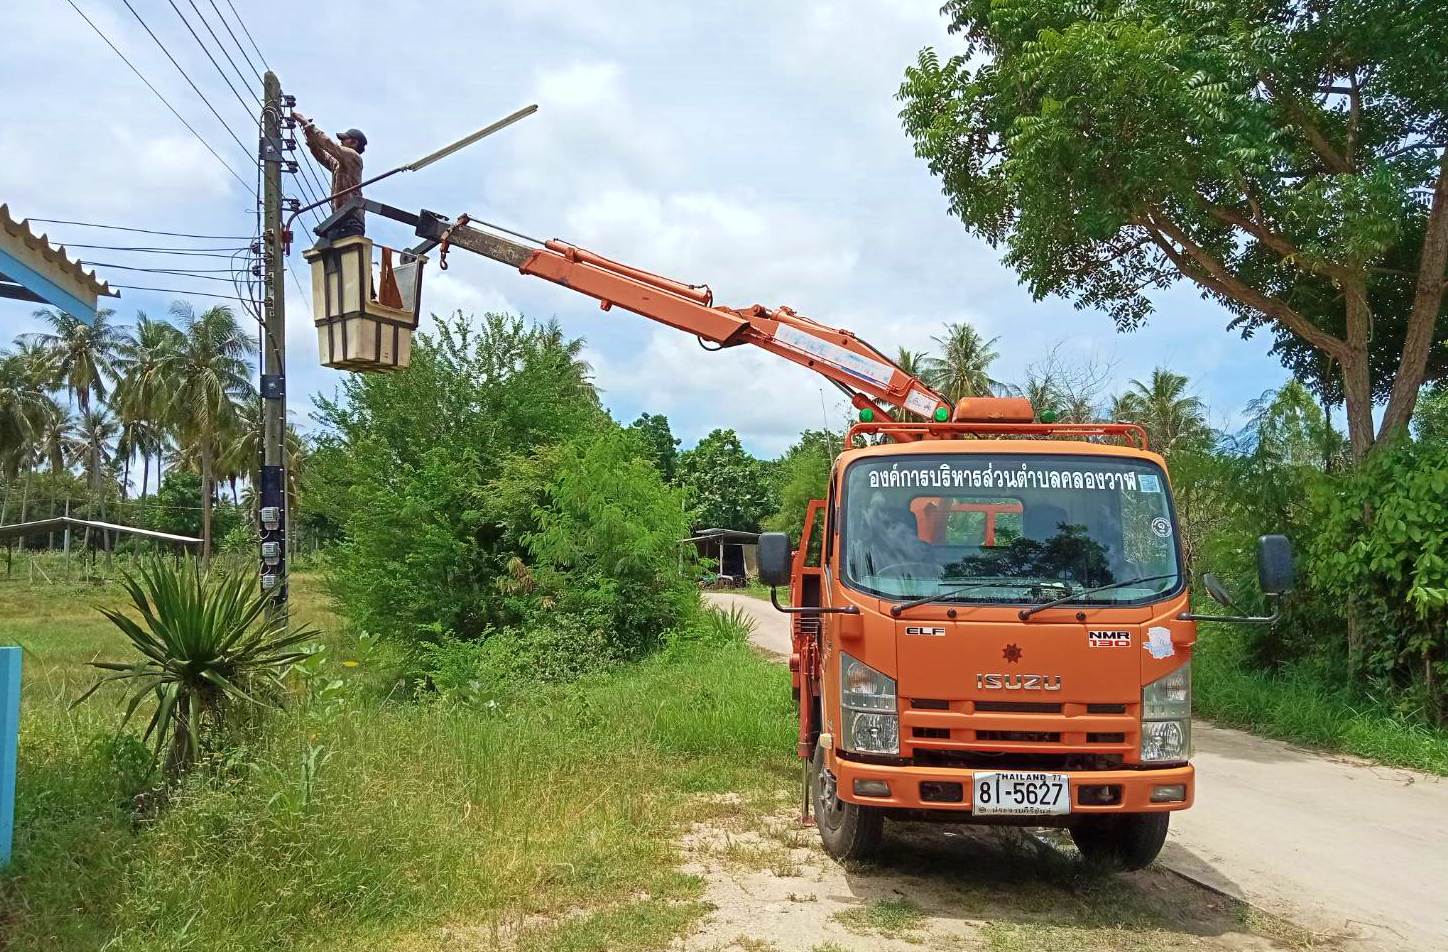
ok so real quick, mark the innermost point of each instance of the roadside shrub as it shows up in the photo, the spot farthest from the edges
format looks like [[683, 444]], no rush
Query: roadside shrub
[[1382, 552], [607, 548], [407, 466], [205, 644], [712, 628]]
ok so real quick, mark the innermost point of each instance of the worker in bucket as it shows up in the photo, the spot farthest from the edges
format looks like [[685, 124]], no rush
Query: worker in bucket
[[344, 157]]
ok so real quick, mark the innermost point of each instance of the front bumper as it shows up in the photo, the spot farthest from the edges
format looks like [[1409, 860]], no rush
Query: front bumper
[[1135, 786]]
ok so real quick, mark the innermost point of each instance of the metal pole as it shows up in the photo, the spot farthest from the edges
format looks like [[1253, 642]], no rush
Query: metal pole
[[273, 489]]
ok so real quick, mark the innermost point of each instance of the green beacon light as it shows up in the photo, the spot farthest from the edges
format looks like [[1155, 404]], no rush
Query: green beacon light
[[941, 414], [1049, 416], [866, 415]]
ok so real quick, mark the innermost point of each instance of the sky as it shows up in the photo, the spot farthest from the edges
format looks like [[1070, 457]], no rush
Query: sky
[[753, 146]]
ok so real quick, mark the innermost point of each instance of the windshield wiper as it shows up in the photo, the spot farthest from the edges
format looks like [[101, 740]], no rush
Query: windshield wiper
[[1073, 596], [895, 610]]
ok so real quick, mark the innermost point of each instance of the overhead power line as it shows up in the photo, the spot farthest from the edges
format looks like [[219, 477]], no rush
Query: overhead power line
[[164, 101], [245, 80], [187, 76], [199, 252], [133, 287], [178, 272], [139, 231], [229, 32], [242, 23], [245, 106]]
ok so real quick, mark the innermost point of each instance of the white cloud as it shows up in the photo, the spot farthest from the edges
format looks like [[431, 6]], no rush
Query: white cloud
[[754, 146]]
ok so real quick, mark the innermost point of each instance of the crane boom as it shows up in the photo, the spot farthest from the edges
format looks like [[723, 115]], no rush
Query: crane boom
[[852, 364]]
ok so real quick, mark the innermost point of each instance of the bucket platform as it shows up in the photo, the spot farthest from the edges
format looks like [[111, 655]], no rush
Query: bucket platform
[[361, 326]]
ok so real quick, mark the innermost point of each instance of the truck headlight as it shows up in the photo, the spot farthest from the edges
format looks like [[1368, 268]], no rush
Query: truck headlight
[[1166, 717], [1166, 741], [870, 732], [869, 709]]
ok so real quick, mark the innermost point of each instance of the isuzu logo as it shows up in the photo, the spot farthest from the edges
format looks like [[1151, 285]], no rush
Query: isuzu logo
[[1018, 682]]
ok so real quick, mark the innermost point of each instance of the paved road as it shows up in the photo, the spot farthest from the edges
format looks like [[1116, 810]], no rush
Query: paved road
[[1340, 846]]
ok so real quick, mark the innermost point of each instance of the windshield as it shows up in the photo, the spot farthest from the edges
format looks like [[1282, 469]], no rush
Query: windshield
[[1008, 528]]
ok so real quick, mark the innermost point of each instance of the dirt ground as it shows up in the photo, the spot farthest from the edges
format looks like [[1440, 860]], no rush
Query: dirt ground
[[1343, 847], [771, 888]]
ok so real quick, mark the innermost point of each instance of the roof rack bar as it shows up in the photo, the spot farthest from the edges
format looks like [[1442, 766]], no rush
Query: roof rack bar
[[1133, 432]]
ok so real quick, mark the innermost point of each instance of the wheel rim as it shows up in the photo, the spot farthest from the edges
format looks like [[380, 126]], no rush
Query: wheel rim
[[829, 809]]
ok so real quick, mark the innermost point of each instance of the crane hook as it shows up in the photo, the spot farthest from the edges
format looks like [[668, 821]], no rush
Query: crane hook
[[446, 239]]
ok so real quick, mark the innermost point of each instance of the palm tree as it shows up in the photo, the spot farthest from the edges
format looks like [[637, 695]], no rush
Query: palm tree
[[1043, 392], [211, 377], [91, 441], [911, 361], [80, 353], [962, 368], [23, 406], [143, 391], [1174, 419]]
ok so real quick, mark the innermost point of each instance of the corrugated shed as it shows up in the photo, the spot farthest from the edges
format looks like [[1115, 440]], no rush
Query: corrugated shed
[[37, 252]]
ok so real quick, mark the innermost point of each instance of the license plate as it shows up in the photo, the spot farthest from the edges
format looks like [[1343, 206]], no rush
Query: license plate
[[1020, 793]]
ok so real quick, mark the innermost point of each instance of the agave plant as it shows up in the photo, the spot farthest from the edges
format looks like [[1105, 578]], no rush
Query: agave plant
[[206, 643]]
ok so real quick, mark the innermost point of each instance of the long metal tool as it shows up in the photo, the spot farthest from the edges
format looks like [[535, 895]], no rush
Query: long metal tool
[[426, 160]]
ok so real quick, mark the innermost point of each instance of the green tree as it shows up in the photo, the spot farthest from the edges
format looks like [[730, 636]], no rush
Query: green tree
[[23, 408], [1175, 420], [211, 376], [434, 476], [1287, 157], [911, 361], [606, 546], [1290, 430], [1431, 421], [725, 486], [962, 368], [803, 473], [80, 354], [663, 447], [143, 390]]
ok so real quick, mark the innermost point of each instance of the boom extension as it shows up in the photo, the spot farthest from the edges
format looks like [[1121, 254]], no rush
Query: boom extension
[[849, 362]]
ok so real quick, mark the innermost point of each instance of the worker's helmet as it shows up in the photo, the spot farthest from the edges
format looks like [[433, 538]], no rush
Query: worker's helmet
[[357, 135]]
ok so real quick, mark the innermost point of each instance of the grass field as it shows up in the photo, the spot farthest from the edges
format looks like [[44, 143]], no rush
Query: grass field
[[365, 819], [1296, 707]]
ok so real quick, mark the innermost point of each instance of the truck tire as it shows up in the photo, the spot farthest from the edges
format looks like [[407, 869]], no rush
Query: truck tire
[[1121, 841], [847, 830]]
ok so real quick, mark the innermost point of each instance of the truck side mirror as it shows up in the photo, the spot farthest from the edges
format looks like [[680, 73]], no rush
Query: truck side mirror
[[774, 559], [1276, 572], [1217, 590]]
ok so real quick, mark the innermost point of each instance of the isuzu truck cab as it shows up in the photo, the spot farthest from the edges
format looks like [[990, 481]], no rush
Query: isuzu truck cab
[[992, 624]]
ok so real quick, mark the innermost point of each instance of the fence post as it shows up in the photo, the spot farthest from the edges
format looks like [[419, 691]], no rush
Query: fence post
[[9, 744]]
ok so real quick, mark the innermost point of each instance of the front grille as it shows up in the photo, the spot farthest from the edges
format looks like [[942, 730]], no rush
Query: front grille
[[1017, 707], [1020, 737], [932, 733], [929, 704], [1105, 708], [1098, 737]]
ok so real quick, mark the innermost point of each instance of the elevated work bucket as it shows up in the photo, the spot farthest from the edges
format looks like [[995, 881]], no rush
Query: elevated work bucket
[[362, 326]]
